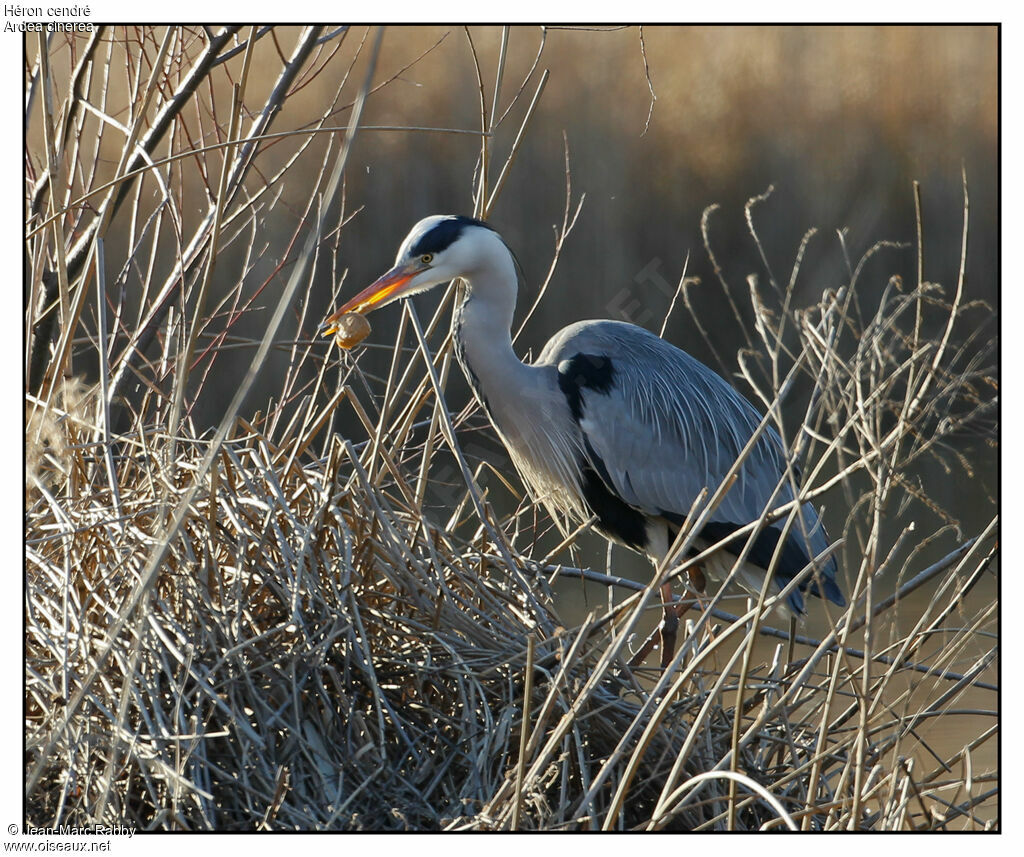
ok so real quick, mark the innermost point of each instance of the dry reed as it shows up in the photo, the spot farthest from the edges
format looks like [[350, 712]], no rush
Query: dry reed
[[269, 627]]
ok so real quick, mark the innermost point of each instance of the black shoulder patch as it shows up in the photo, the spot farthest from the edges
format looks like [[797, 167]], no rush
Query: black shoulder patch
[[444, 234], [584, 372]]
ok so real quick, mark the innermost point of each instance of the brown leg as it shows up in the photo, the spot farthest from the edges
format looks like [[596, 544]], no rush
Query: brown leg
[[669, 625], [697, 579], [666, 631], [643, 651]]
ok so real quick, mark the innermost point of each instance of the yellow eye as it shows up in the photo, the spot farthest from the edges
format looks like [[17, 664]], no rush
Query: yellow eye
[[427, 258]]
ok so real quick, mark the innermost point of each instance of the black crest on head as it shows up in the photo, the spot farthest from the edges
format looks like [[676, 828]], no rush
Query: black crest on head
[[444, 234]]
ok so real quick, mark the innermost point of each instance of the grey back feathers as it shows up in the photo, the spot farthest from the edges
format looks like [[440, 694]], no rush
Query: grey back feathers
[[665, 424], [659, 427]]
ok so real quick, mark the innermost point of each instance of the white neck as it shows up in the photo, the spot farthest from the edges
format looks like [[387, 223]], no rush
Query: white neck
[[523, 402], [482, 326]]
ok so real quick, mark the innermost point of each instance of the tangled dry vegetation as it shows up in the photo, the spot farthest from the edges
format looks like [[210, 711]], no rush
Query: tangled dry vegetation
[[266, 626]]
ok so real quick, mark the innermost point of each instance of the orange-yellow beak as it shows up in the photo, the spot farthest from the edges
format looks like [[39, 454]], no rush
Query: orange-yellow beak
[[381, 291]]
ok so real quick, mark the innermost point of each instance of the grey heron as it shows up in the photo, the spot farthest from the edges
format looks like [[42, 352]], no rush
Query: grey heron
[[611, 422]]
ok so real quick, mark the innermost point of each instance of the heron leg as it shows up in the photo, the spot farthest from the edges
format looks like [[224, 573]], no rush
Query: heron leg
[[669, 624], [643, 651], [666, 632], [697, 579]]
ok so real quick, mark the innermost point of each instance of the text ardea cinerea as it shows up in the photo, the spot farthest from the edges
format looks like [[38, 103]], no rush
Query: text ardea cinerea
[[611, 421]]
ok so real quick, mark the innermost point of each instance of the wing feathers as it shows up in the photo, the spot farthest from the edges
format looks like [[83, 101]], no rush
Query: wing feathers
[[659, 427]]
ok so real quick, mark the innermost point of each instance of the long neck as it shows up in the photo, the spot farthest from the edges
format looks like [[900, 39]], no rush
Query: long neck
[[482, 326]]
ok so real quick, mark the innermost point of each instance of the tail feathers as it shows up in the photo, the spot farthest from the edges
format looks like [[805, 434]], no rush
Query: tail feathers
[[793, 559], [824, 580], [795, 602], [832, 591]]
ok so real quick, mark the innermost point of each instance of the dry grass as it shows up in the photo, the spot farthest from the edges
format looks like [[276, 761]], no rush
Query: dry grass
[[267, 627]]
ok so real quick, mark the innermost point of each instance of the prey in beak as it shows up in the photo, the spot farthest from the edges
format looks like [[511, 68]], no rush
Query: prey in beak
[[380, 293]]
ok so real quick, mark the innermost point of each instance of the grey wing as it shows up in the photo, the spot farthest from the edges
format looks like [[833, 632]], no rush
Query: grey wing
[[659, 427]]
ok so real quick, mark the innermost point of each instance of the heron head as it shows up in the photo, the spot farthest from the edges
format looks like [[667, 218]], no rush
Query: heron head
[[438, 249]]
